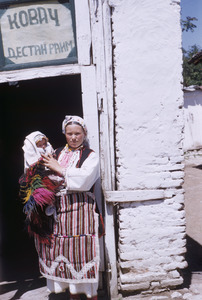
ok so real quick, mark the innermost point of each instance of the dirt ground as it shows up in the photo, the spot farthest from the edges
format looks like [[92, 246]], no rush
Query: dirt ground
[[35, 288], [193, 197]]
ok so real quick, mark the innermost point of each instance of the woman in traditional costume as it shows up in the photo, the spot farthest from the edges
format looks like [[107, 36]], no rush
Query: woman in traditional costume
[[71, 260]]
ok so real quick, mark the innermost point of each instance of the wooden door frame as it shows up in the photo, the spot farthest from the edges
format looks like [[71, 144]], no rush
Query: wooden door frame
[[98, 40], [100, 15]]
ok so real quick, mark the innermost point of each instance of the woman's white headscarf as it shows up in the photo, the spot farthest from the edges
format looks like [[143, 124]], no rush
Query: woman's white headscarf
[[31, 152], [77, 120], [74, 119]]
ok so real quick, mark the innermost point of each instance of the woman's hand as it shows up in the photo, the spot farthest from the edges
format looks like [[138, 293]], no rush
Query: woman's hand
[[50, 162]]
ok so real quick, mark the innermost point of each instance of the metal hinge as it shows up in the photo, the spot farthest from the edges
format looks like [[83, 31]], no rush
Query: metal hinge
[[109, 270], [100, 104]]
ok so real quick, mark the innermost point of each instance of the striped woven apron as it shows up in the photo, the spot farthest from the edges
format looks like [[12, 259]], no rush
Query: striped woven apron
[[73, 255]]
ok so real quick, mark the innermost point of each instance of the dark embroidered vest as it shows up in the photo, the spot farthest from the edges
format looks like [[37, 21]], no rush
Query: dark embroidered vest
[[84, 153]]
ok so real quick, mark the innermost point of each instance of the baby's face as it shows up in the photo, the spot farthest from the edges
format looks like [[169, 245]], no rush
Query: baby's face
[[42, 144]]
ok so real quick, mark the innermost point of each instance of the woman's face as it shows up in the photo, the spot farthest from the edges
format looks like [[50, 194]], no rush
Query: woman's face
[[74, 135]]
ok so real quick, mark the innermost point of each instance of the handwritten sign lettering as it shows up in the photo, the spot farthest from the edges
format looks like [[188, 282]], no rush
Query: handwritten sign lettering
[[33, 16], [36, 50], [38, 32]]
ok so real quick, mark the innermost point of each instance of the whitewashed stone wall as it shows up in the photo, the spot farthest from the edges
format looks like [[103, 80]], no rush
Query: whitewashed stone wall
[[193, 120], [149, 155]]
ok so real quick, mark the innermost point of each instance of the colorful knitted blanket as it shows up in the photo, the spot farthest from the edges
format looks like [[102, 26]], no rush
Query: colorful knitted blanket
[[37, 192]]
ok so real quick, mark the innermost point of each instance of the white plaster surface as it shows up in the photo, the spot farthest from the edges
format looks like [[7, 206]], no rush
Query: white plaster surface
[[193, 120], [147, 56], [149, 155]]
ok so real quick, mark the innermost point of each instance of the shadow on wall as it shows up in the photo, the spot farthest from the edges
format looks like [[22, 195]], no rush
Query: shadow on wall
[[192, 120], [194, 259], [192, 98]]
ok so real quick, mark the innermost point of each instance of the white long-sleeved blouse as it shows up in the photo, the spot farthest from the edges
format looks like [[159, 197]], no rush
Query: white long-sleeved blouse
[[83, 178]]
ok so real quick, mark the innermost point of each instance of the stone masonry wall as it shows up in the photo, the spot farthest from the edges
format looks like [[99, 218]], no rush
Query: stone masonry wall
[[151, 244], [149, 136]]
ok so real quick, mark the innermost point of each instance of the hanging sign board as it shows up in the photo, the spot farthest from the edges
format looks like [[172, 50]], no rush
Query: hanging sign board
[[37, 34]]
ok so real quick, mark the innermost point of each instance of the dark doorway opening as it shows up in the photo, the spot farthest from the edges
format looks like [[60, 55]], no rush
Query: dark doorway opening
[[26, 106]]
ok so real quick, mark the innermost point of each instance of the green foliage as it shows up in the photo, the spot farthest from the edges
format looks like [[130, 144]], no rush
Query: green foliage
[[187, 24], [192, 74]]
